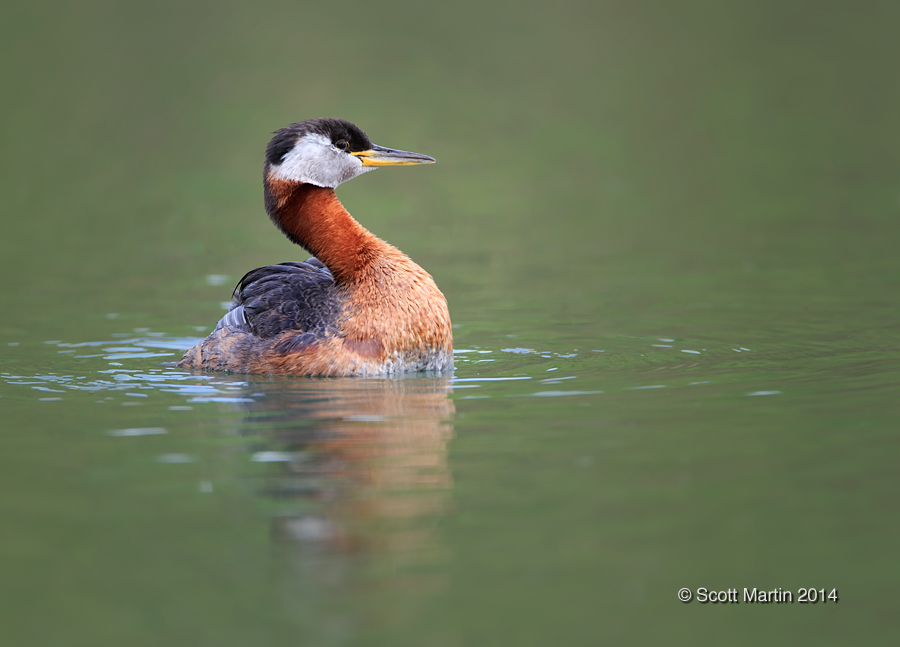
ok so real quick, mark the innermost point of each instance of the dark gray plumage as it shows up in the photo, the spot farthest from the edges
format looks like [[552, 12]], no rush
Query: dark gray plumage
[[290, 296]]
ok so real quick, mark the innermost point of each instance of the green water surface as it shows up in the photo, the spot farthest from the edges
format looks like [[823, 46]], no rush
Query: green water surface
[[668, 235]]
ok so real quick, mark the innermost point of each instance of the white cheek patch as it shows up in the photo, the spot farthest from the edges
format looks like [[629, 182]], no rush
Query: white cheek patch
[[313, 160]]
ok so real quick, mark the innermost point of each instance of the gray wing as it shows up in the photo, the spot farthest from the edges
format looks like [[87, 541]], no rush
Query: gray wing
[[299, 297]]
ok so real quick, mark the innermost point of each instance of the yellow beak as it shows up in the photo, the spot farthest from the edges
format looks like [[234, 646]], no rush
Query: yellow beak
[[380, 156]]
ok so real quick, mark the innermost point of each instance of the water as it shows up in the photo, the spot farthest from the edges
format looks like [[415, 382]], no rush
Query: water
[[668, 240]]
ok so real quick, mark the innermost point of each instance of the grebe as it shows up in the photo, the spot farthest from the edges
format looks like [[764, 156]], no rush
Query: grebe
[[359, 307]]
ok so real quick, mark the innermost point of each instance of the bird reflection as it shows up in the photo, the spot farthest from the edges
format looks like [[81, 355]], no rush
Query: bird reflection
[[359, 464]]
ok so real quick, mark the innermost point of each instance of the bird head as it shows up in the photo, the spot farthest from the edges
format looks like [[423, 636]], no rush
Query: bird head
[[327, 152]]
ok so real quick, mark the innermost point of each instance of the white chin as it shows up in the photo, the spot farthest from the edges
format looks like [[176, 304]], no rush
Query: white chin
[[313, 160]]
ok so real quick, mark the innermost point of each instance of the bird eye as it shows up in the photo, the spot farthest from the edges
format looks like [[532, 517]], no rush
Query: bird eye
[[342, 144]]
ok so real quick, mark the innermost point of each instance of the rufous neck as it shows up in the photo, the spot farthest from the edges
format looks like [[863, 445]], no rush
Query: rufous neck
[[314, 218]]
